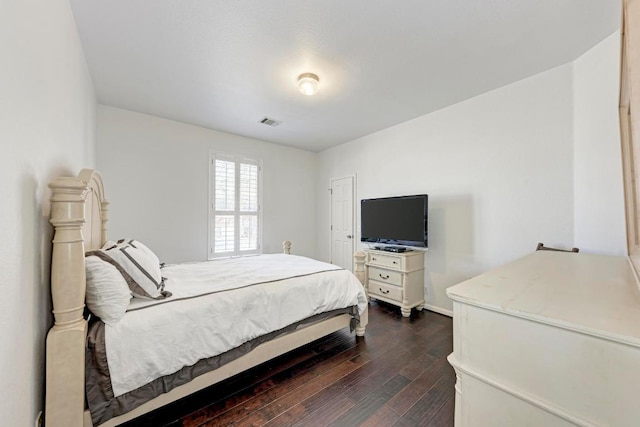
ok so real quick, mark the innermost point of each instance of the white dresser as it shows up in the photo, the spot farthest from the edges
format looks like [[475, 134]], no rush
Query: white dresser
[[552, 339], [396, 278]]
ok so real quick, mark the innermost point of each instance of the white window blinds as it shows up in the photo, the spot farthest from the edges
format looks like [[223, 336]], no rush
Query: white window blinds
[[235, 211]]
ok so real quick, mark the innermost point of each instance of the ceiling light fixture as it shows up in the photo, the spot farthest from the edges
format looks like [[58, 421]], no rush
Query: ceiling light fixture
[[308, 83]]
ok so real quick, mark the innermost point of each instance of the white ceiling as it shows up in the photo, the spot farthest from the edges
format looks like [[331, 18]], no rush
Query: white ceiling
[[226, 64]]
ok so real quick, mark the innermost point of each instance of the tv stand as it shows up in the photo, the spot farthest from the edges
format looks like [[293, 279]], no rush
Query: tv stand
[[396, 278]]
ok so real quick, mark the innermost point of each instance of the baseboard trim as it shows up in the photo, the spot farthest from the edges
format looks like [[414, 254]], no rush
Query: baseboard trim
[[439, 310]]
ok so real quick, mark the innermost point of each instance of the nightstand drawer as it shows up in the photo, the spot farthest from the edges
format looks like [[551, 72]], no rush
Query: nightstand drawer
[[385, 290], [386, 276], [384, 260]]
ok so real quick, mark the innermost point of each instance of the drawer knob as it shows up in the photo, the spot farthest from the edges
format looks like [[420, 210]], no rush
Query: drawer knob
[[373, 258], [395, 262], [383, 291], [383, 277]]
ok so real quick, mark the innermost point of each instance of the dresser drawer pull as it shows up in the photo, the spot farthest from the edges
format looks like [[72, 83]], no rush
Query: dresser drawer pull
[[395, 262], [383, 277], [383, 291], [373, 258]]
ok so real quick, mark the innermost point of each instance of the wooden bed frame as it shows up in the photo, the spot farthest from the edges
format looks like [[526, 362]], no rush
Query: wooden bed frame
[[79, 214]]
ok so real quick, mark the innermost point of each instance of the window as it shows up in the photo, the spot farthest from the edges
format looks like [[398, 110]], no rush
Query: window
[[235, 217]]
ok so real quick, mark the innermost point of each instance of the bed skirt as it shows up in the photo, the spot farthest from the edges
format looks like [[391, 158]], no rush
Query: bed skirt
[[104, 405]]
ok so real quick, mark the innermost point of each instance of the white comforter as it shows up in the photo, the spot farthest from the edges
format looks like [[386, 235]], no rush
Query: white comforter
[[246, 298]]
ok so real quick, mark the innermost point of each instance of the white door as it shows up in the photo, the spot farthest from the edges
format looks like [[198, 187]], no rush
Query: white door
[[342, 222]]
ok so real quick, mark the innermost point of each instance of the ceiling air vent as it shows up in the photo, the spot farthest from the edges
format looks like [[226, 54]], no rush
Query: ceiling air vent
[[270, 122]]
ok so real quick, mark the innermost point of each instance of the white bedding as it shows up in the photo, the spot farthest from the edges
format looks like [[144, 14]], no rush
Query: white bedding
[[157, 338]]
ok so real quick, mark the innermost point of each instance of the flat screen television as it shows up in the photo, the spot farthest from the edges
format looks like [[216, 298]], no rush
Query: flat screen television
[[395, 220]]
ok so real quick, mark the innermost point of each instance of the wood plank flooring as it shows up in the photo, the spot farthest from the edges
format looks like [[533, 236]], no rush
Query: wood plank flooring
[[397, 375]]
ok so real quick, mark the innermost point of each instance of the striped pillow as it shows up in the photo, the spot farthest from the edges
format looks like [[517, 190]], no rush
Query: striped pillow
[[138, 265], [143, 248]]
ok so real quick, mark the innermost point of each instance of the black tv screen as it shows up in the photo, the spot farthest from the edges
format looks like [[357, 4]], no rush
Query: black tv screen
[[395, 220]]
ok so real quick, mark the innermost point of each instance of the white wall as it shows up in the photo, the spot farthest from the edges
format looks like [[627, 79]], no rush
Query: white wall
[[598, 193], [47, 115], [156, 178], [498, 169], [535, 161]]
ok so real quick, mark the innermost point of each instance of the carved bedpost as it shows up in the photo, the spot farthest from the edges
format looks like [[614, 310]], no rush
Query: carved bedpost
[[358, 261], [66, 340], [286, 247]]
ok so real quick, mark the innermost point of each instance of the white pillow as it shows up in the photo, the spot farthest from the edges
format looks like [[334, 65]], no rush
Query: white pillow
[[141, 265], [108, 295]]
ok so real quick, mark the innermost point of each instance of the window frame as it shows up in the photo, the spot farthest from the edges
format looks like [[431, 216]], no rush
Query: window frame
[[237, 160]]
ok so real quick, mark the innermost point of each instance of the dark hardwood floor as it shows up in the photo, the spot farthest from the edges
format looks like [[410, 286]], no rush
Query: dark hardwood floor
[[397, 375]]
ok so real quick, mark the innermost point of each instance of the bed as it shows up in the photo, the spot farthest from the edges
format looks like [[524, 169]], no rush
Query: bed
[[79, 214]]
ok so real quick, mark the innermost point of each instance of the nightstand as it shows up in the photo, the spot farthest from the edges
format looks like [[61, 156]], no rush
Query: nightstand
[[396, 278]]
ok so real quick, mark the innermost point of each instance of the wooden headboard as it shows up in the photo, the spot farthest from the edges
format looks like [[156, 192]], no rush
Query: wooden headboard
[[79, 215], [96, 213]]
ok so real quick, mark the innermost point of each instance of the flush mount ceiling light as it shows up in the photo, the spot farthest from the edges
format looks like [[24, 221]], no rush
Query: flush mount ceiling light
[[308, 83]]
